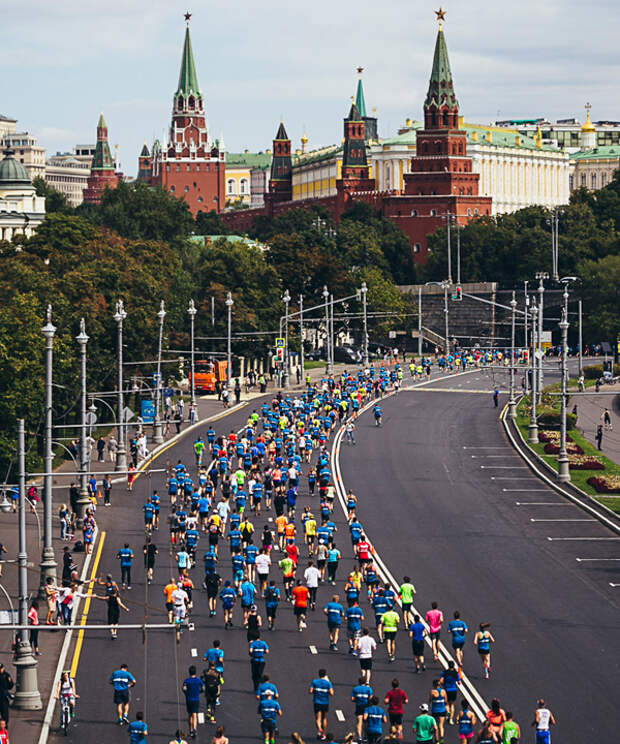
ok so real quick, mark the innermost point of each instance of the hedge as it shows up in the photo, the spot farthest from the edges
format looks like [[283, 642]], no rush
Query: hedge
[[551, 419]]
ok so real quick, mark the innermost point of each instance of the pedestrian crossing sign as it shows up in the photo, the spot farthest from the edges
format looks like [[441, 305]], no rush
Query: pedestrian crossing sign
[[279, 343]]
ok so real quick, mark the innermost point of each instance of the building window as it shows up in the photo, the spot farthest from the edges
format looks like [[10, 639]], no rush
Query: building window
[[416, 249], [434, 214], [231, 186], [178, 168], [469, 215], [200, 199], [197, 167], [168, 168], [571, 183], [593, 180], [186, 189], [172, 189], [603, 179], [191, 102], [583, 180], [243, 186], [188, 167], [476, 213], [414, 212]]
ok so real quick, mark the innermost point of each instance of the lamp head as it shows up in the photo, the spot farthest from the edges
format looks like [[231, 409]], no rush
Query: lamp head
[[192, 308]]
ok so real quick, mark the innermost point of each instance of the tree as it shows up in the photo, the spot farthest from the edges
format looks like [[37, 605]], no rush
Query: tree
[[210, 223], [55, 201], [601, 294]]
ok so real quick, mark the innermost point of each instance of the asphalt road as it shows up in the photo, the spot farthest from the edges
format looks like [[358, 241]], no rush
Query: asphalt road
[[446, 500]]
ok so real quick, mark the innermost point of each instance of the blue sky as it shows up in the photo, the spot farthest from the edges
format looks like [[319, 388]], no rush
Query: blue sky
[[63, 62]]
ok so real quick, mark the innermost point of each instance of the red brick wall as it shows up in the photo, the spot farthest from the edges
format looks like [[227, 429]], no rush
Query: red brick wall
[[202, 186]]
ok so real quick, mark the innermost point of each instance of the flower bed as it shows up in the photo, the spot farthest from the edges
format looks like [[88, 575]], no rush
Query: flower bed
[[553, 448], [551, 436], [605, 483], [584, 462]]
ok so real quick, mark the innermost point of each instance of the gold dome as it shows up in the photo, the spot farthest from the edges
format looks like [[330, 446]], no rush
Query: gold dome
[[587, 125]]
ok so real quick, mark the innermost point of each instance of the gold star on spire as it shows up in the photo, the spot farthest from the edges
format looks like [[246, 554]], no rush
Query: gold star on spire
[[360, 70], [188, 15], [441, 14]]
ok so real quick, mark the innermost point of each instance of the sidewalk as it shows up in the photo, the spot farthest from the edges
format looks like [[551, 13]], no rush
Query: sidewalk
[[589, 411]]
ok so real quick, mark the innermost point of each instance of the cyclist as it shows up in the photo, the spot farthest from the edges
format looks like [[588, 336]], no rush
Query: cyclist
[[66, 693]]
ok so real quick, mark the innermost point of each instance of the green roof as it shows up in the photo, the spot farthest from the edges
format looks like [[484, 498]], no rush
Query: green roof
[[12, 172], [248, 159], [598, 153], [328, 153], [440, 86], [359, 98], [502, 138], [406, 138], [188, 80]]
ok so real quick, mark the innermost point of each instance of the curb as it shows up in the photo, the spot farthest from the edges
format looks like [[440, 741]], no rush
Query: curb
[[527, 453]]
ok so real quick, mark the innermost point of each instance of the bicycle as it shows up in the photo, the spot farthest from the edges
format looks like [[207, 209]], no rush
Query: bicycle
[[65, 713]]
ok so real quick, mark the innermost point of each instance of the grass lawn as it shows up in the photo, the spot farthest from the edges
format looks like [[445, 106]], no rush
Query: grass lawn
[[578, 477], [313, 365]]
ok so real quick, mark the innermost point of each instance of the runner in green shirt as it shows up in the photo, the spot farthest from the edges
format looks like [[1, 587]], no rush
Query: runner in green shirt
[[512, 731], [199, 446], [406, 594], [424, 726], [288, 574], [390, 622]]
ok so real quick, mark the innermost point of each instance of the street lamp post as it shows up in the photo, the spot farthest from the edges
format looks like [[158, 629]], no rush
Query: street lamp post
[[192, 314], [541, 276], [301, 336], [83, 500], [448, 219], [286, 299], [158, 433], [331, 329], [121, 452], [532, 437], [328, 367], [445, 311], [420, 340], [512, 404], [364, 292], [48, 562], [458, 254], [525, 325], [229, 303], [580, 340], [27, 695], [563, 464]]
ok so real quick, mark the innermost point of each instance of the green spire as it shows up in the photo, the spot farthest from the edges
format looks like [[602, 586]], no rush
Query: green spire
[[441, 87], [188, 80], [102, 159], [101, 124], [359, 96]]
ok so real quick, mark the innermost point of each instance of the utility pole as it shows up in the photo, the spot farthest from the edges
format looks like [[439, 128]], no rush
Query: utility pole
[[448, 220], [525, 344], [27, 695], [458, 254], [580, 341], [213, 312], [301, 337], [121, 452], [286, 299], [445, 310], [328, 367], [533, 425], [420, 340], [192, 314], [83, 500], [563, 463], [229, 303], [512, 404], [331, 329], [364, 291], [48, 562], [158, 434], [541, 276]]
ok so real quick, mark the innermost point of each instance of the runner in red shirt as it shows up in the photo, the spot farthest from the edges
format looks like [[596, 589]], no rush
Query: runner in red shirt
[[292, 551], [364, 551], [395, 699], [300, 604]]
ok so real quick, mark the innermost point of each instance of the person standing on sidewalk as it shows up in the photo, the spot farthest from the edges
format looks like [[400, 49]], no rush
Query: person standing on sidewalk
[[599, 437], [100, 449], [6, 685], [112, 447]]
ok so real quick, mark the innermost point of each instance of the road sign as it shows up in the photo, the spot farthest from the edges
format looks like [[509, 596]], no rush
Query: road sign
[[91, 418], [280, 343], [147, 411], [539, 354], [127, 415]]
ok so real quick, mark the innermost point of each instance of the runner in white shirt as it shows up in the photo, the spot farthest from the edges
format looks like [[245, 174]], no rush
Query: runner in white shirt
[[543, 720], [312, 576], [365, 646], [223, 510], [180, 601], [263, 561]]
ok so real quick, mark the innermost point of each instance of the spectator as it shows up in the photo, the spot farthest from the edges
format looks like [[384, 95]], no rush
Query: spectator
[[100, 449], [33, 620], [6, 685]]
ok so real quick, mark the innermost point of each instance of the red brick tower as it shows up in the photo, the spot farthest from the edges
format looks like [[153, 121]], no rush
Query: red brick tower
[[355, 174], [102, 173], [441, 182], [190, 165], [280, 181]]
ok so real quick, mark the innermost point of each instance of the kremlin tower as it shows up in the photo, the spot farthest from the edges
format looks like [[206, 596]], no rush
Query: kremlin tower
[[280, 181], [355, 169], [102, 171], [190, 165]]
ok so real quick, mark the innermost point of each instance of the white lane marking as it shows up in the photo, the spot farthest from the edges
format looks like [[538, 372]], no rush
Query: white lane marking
[[581, 560], [201, 717], [553, 539], [194, 652], [484, 447], [476, 701], [529, 490], [313, 650], [497, 457], [540, 503], [503, 467], [613, 585], [507, 477], [562, 520], [340, 715]]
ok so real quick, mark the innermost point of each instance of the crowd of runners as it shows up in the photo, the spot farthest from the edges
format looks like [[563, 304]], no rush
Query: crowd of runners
[[259, 503]]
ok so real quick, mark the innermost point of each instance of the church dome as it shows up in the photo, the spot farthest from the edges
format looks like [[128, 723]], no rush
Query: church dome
[[587, 125], [13, 173]]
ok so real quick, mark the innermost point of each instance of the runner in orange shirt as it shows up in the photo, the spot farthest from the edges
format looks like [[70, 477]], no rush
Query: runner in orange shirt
[[168, 589], [300, 604], [281, 523]]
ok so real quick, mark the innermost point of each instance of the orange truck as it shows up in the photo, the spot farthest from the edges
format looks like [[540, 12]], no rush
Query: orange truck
[[207, 374]]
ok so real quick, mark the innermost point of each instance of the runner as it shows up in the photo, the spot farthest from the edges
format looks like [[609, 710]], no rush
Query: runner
[[366, 644], [466, 721], [321, 690], [355, 618], [122, 680], [374, 718], [457, 629], [228, 597], [495, 718], [312, 576], [395, 699], [512, 731], [425, 727], [150, 551], [389, 624], [438, 702], [212, 681], [257, 651], [192, 687], [406, 593], [138, 730], [450, 679], [543, 720], [483, 640], [434, 618], [335, 613], [360, 695], [272, 598], [269, 710]]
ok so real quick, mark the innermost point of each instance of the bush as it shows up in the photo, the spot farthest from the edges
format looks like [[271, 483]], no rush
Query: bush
[[605, 483], [551, 419], [593, 372]]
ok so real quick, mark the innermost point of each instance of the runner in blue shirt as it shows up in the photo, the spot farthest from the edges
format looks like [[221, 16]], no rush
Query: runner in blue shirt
[[125, 555], [417, 633], [121, 680], [360, 695], [269, 709], [335, 613], [257, 650], [380, 606], [355, 617], [457, 628], [374, 717], [149, 511], [272, 598], [250, 552], [321, 689], [228, 597], [266, 687], [156, 501], [247, 592], [215, 655], [192, 687], [138, 730]]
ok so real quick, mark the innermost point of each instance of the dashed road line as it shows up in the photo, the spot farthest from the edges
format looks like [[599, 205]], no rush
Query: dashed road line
[[340, 715], [201, 717], [583, 560], [554, 539], [313, 650], [194, 652], [562, 520], [540, 503]]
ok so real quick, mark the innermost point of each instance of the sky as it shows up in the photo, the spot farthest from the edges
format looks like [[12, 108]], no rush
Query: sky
[[63, 62]]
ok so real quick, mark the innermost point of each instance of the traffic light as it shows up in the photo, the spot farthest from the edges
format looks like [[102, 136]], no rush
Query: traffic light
[[457, 295], [280, 354]]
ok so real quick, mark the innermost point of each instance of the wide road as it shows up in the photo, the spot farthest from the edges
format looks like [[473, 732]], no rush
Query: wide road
[[445, 499]]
